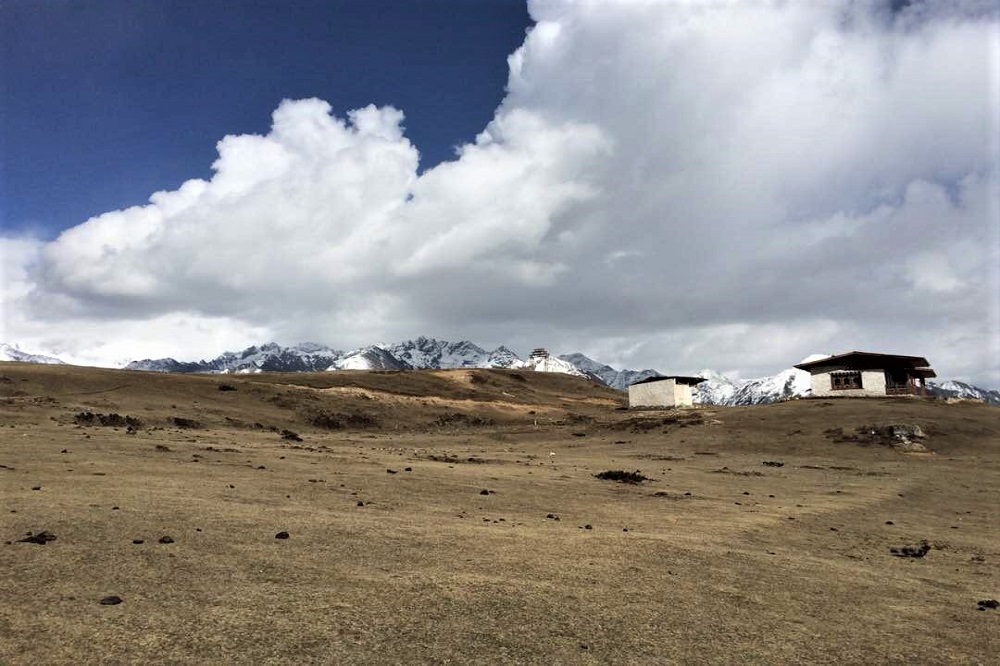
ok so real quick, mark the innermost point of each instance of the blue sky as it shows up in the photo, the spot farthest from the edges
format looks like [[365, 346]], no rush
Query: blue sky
[[675, 184], [105, 102]]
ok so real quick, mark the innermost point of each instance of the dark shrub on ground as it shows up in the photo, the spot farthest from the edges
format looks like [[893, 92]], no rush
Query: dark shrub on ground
[[457, 418], [622, 476], [667, 422], [336, 421], [108, 420]]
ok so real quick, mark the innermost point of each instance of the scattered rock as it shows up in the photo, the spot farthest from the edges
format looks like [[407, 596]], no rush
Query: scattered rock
[[407, 469], [112, 600], [138, 542], [726, 470], [899, 435], [911, 551], [485, 492], [988, 603], [41, 538], [36, 487], [588, 526], [773, 463], [162, 447], [360, 503], [291, 436], [281, 535], [166, 539], [226, 387], [552, 516], [390, 471]]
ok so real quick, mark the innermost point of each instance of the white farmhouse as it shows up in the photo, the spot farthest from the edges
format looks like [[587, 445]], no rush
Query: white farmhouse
[[865, 374], [673, 391]]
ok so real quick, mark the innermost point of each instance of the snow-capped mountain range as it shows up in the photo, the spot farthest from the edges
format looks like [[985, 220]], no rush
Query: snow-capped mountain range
[[429, 353], [422, 353]]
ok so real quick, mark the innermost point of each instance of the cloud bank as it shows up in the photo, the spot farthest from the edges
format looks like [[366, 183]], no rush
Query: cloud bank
[[680, 185]]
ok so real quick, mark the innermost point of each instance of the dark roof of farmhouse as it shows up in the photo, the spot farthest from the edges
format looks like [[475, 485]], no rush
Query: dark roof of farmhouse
[[680, 379], [869, 360]]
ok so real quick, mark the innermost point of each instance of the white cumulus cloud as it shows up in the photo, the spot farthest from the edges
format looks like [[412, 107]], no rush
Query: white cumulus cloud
[[669, 184]]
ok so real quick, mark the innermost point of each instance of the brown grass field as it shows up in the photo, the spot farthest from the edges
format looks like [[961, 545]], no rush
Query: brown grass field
[[397, 555]]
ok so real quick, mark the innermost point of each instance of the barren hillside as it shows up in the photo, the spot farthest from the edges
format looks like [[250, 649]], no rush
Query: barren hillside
[[456, 516]]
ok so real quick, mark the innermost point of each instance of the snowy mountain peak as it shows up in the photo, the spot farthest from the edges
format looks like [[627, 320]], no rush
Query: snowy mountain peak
[[619, 379], [369, 358], [501, 357], [956, 389], [432, 353], [713, 375], [12, 353]]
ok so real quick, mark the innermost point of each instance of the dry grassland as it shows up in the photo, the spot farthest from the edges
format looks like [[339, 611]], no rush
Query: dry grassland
[[454, 517]]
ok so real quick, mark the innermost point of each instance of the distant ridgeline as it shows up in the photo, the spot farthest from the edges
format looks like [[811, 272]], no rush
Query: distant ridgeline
[[430, 353]]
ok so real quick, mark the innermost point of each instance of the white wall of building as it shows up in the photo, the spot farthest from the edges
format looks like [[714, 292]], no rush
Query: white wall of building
[[872, 384], [663, 393]]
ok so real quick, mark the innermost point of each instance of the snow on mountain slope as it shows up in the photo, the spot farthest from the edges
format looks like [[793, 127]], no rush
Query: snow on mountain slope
[[166, 365], [501, 357], [619, 379], [956, 389], [789, 383], [716, 390], [441, 354], [422, 353], [12, 353], [311, 357], [270, 357], [369, 358]]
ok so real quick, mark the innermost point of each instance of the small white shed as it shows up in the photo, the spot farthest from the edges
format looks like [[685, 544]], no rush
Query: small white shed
[[673, 391]]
